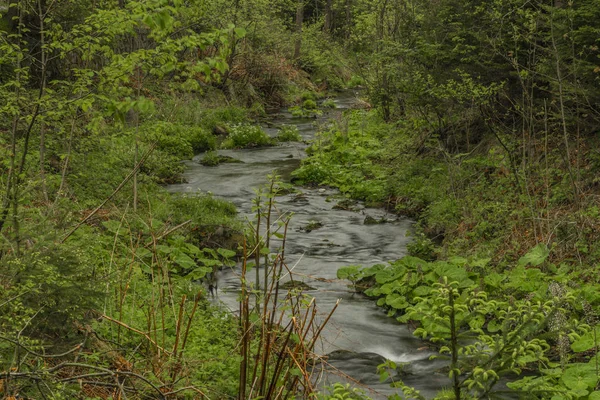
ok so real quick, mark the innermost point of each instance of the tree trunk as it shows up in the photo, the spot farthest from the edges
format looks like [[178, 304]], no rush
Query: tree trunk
[[299, 21], [348, 18], [41, 16], [327, 27]]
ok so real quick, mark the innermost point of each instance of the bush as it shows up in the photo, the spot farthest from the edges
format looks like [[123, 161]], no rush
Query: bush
[[181, 141], [355, 81], [289, 133], [308, 95], [169, 138], [52, 284], [309, 104], [246, 135], [211, 159], [201, 139], [329, 103]]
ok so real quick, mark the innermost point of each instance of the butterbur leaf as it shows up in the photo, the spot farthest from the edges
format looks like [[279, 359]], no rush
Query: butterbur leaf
[[184, 261], [535, 256], [580, 377], [396, 301], [460, 261], [348, 272], [422, 291], [209, 263], [226, 253], [494, 279], [199, 273]]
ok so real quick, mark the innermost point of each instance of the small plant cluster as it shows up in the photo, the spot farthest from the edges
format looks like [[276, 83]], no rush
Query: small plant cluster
[[179, 140], [347, 157], [490, 325], [306, 105], [246, 135], [288, 133]]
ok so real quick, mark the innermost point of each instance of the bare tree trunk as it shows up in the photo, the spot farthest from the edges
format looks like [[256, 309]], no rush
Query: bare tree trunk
[[11, 179], [563, 117], [43, 60], [348, 18], [327, 27], [299, 21]]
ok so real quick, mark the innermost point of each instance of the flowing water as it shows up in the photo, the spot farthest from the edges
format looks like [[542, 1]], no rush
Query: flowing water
[[360, 335]]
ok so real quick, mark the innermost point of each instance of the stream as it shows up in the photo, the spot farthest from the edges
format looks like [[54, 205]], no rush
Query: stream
[[360, 335]]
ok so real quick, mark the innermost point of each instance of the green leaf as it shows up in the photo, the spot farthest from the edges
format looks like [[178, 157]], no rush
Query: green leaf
[[580, 377], [350, 272], [494, 279], [209, 262], [396, 301], [184, 261], [239, 32], [421, 291], [535, 256], [594, 396], [226, 253], [199, 273]]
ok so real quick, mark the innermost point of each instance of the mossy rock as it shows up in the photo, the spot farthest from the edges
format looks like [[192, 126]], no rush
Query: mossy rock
[[296, 285], [285, 189], [347, 205], [220, 130], [373, 221], [213, 161], [311, 226]]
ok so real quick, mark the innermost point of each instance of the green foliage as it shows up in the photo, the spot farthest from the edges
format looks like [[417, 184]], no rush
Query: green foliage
[[211, 159], [320, 57], [328, 103], [288, 133], [51, 284], [178, 140], [348, 159], [309, 104], [245, 136], [342, 392], [300, 111], [355, 81], [490, 324]]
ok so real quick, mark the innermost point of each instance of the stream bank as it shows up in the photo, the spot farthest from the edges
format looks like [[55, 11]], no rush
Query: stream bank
[[359, 336]]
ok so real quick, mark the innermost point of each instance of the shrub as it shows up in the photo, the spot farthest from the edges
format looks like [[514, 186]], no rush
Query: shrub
[[289, 133], [308, 95], [201, 139], [355, 81], [328, 103], [169, 137], [246, 135], [211, 159], [309, 104]]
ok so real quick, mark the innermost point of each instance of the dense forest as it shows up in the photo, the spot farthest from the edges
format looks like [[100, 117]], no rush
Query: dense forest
[[478, 120]]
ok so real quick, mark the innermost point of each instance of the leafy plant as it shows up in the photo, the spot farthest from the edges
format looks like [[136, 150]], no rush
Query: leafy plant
[[288, 133], [246, 135]]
